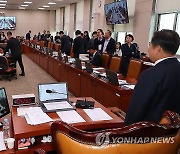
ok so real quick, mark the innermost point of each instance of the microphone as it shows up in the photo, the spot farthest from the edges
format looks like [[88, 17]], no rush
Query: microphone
[[55, 92]]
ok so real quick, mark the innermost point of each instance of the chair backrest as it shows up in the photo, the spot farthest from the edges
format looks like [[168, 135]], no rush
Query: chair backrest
[[1, 51], [42, 43], [105, 60], [49, 44], [115, 64], [3, 63], [57, 47], [142, 137], [71, 53], [134, 69]]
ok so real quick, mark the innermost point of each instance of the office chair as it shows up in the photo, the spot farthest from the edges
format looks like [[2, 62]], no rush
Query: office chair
[[70, 140], [115, 64], [6, 70], [105, 60], [134, 69], [57, 47]]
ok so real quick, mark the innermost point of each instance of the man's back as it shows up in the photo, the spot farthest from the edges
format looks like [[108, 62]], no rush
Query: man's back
[[14, 45], [157, 90], [65, 44], [79, 46]]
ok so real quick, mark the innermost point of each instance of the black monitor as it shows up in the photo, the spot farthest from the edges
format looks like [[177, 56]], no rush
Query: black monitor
[[4, 105]]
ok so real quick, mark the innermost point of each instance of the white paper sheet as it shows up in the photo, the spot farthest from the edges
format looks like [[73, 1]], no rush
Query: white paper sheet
[[35, 116], [97, 114], [129, 86], [70, 116], [58, 105], [21, 111], [2, 145], [121, 82], [98, 68]]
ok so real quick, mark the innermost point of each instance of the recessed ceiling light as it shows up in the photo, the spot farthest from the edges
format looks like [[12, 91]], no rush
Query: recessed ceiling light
[[3, 1], [2, 4], [51, 3], [27, 2], [45, 6], [41, 8], [24, 5], [2, 7]]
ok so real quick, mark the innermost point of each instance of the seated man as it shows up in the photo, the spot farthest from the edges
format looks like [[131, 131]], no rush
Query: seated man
[[96, 58], [158, 87]]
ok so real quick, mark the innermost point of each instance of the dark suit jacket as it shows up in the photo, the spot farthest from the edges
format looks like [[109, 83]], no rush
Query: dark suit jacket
[[157, 90], [79, 46], [97, 60], [14, 45], [111, 47], [28, 36], [65, 44], [98, 42]]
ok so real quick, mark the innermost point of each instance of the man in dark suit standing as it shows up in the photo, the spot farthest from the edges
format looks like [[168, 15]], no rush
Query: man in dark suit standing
[[109, 44], [79, 44], [98, 42], [157, 89], [96, 58], [65, 43], [13, 45], [28, 35]]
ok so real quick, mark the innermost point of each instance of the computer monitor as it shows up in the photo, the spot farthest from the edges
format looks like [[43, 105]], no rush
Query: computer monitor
[[53, 91], [112, 77], [4, 105], [89, 68], [78, 63]]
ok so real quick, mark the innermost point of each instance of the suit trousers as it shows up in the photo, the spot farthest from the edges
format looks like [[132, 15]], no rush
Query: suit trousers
[[19, 59]]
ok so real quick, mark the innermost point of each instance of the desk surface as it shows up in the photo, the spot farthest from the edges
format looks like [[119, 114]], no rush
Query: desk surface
[[23, 130]]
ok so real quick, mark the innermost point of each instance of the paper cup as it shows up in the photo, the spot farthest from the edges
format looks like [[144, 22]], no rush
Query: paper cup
[[10, 143]]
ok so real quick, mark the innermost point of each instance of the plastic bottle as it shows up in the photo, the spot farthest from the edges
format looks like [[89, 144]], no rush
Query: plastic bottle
[[6, 131]]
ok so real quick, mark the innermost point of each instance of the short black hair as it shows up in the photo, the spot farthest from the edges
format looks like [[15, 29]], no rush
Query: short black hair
[[168, 40], [78, 32], [61, 32], [132, 37], [110, 33], [9, 33], [94, 33], [101, 31]]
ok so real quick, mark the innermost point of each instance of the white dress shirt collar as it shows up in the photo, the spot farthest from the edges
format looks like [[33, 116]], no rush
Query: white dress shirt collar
[[160, 60]]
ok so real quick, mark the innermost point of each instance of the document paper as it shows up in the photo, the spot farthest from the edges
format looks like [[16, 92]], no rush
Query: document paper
[[2, 145], [70, 116], [97, 114], [35, 116], [58, 105]]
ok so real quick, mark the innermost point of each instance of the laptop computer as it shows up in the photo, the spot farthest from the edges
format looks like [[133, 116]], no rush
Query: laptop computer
[[4, 105], [89, 68], [113, 78], [54, 97], [78, 64]]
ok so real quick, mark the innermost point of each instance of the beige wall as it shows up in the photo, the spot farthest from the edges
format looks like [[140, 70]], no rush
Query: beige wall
[[164, 6], [79, 15], [36, 21], [67, 15]]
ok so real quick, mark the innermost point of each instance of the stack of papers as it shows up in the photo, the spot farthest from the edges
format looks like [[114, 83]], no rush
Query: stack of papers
[[122, 82], [35, 116], [98, 68], [21, 111], [97, 114], [70, 116], [2, 145]]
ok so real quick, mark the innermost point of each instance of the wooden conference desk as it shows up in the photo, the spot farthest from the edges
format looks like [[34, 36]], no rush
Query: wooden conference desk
[[80, 83], [22, 130]]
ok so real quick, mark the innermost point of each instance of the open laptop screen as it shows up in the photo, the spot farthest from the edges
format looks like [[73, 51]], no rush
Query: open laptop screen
[[52, 91], [4, 106]]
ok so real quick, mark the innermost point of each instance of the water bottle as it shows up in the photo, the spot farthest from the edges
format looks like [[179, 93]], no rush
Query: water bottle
[[6, 132]]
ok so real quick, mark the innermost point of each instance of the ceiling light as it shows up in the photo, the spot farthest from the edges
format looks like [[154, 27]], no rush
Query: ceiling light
[[2, 7], [51, 3], [45, 6], [27, 2], [3, 1], [2, 4], [24, 5], [41, 8]]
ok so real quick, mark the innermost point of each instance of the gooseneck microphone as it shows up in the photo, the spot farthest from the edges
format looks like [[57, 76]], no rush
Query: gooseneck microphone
[[55, 92]]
